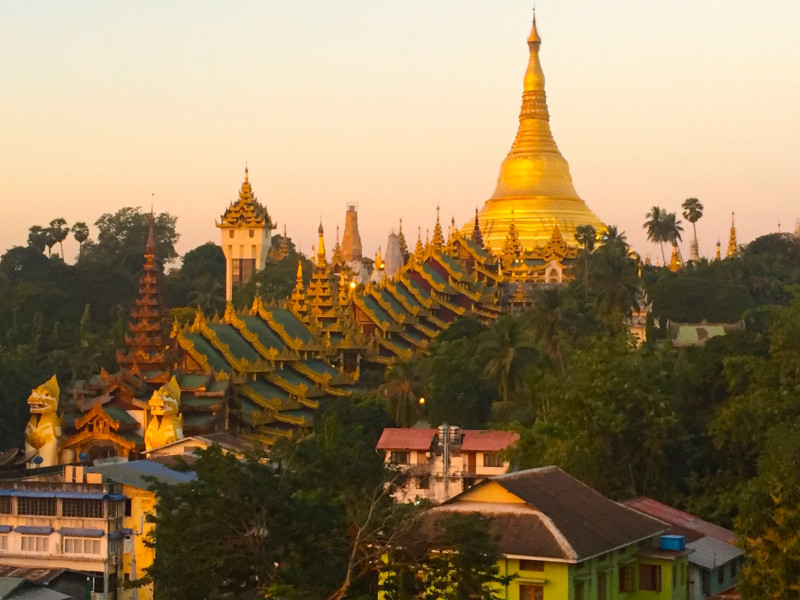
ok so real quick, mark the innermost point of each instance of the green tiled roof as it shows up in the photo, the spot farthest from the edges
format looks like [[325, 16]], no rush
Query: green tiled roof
[[121, 415], [239, 347], [414, 335], [391, 301], [293, 327], [192, 381], [198, 419], [218, 386], [379, 312], [452, 263], [267, 337], [190, 401], [320, 367], [407, 296], [294, 378], [267, 390], [215, 359], [435, 275]]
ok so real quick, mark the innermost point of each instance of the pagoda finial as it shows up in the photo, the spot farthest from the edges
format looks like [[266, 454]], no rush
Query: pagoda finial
[[150, 246], [534, 38], [732, 246], [299, 273], [419, 250], [321, 247], [246, 174]]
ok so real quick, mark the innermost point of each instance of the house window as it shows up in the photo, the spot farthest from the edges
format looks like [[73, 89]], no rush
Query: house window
[[34, 543], [36, 506], [650, 578], [625, 579], [531, 565], [5, 505], [399, 458], [492, 459], [531, 592], [77, 545], [89, 509], [734, 569], [706, 583], [602, 586], [721, 574], [579, 590], [424, 483], [3, 542]]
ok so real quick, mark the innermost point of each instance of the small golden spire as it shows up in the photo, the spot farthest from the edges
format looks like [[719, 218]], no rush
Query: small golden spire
[[246, 175], [477, 236], [732, 246], [719, 249], [419, 251], [321, 247], [438, 236]]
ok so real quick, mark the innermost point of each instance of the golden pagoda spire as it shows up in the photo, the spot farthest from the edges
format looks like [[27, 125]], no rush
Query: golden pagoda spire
[[438, 236], [401, 239], [419, 251], [534, 178], [719, 248], [477, 236], [674, 260], [732, 247], [321, 247], [299, 281]]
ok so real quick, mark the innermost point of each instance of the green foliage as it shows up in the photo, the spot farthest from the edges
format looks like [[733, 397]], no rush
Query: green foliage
[[275, 281], [458, 560]]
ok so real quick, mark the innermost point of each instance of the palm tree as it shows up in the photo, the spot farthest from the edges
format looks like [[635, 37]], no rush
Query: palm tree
[[59, 230], [655, 228], [616, 280], [80, 231], [672, 231], [404, 392], [692, 212], [586, 235], [37, 238], [508, 349]]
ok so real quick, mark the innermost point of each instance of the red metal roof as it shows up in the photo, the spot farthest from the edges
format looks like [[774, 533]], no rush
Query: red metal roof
[[681, 519], [396, 438], [486, 440]]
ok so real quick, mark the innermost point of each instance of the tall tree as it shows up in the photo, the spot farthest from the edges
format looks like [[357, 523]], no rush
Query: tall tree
[[59, 231], [80, 231], [508, 350], [692, 212], [672, 230], [655, 228], [586, 235], [37, 238]]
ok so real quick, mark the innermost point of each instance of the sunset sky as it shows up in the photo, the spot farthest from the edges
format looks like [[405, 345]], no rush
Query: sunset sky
[[396, 107]]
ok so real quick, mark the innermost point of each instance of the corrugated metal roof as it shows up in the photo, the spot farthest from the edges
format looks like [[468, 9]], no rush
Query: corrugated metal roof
[[40, 593], [710, 553], [81, 531], [591, 523], [680, 519], [487, 440], [396, 438], [34, 529], [31, 575], [133, 473], [9, 584]]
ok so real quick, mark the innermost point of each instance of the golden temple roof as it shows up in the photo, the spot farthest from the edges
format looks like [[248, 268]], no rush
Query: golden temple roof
[[534, 180], [247, 211]]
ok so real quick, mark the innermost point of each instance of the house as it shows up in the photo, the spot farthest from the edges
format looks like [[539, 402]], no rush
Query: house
[[565, 541], [444, 462], [715, 563], [135, 477], [65, 520]]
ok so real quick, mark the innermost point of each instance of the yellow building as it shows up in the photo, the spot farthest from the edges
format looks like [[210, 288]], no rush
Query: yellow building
[[565, 541], [534, 194], [133, 477], [246, 230]]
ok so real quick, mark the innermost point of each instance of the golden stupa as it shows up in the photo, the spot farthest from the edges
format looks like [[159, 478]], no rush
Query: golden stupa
[[534, 189]]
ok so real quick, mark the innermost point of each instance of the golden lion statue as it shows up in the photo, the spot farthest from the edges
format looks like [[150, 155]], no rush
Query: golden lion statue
[[166, 424], [43, 431]]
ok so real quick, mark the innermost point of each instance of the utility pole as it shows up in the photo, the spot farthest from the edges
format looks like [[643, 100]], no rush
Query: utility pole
[[445, 433]]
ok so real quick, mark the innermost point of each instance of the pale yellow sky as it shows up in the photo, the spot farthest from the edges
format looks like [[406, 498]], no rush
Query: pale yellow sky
[[396, 107]]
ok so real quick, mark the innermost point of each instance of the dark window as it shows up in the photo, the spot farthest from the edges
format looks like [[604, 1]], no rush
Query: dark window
[[625, 579], [242, 270], [399, 458], [128, 507], [602, 586], [424, 483], [36, 506], [706, 583], [734, 568], [650, 578], [531, 592], [90, 509], [492, 459], [721, 574], [531, 565], [5, 505]]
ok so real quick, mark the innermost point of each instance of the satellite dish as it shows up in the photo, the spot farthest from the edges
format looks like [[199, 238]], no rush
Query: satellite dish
[[7, 457]]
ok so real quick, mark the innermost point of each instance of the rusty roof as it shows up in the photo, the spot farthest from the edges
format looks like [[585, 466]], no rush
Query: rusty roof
[[397, 438], [487, 440], [586, 522], [38, 576], [681, 520]]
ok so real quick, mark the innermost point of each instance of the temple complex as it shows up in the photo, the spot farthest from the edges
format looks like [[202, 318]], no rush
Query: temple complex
[[246, 230], [534, 192]]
